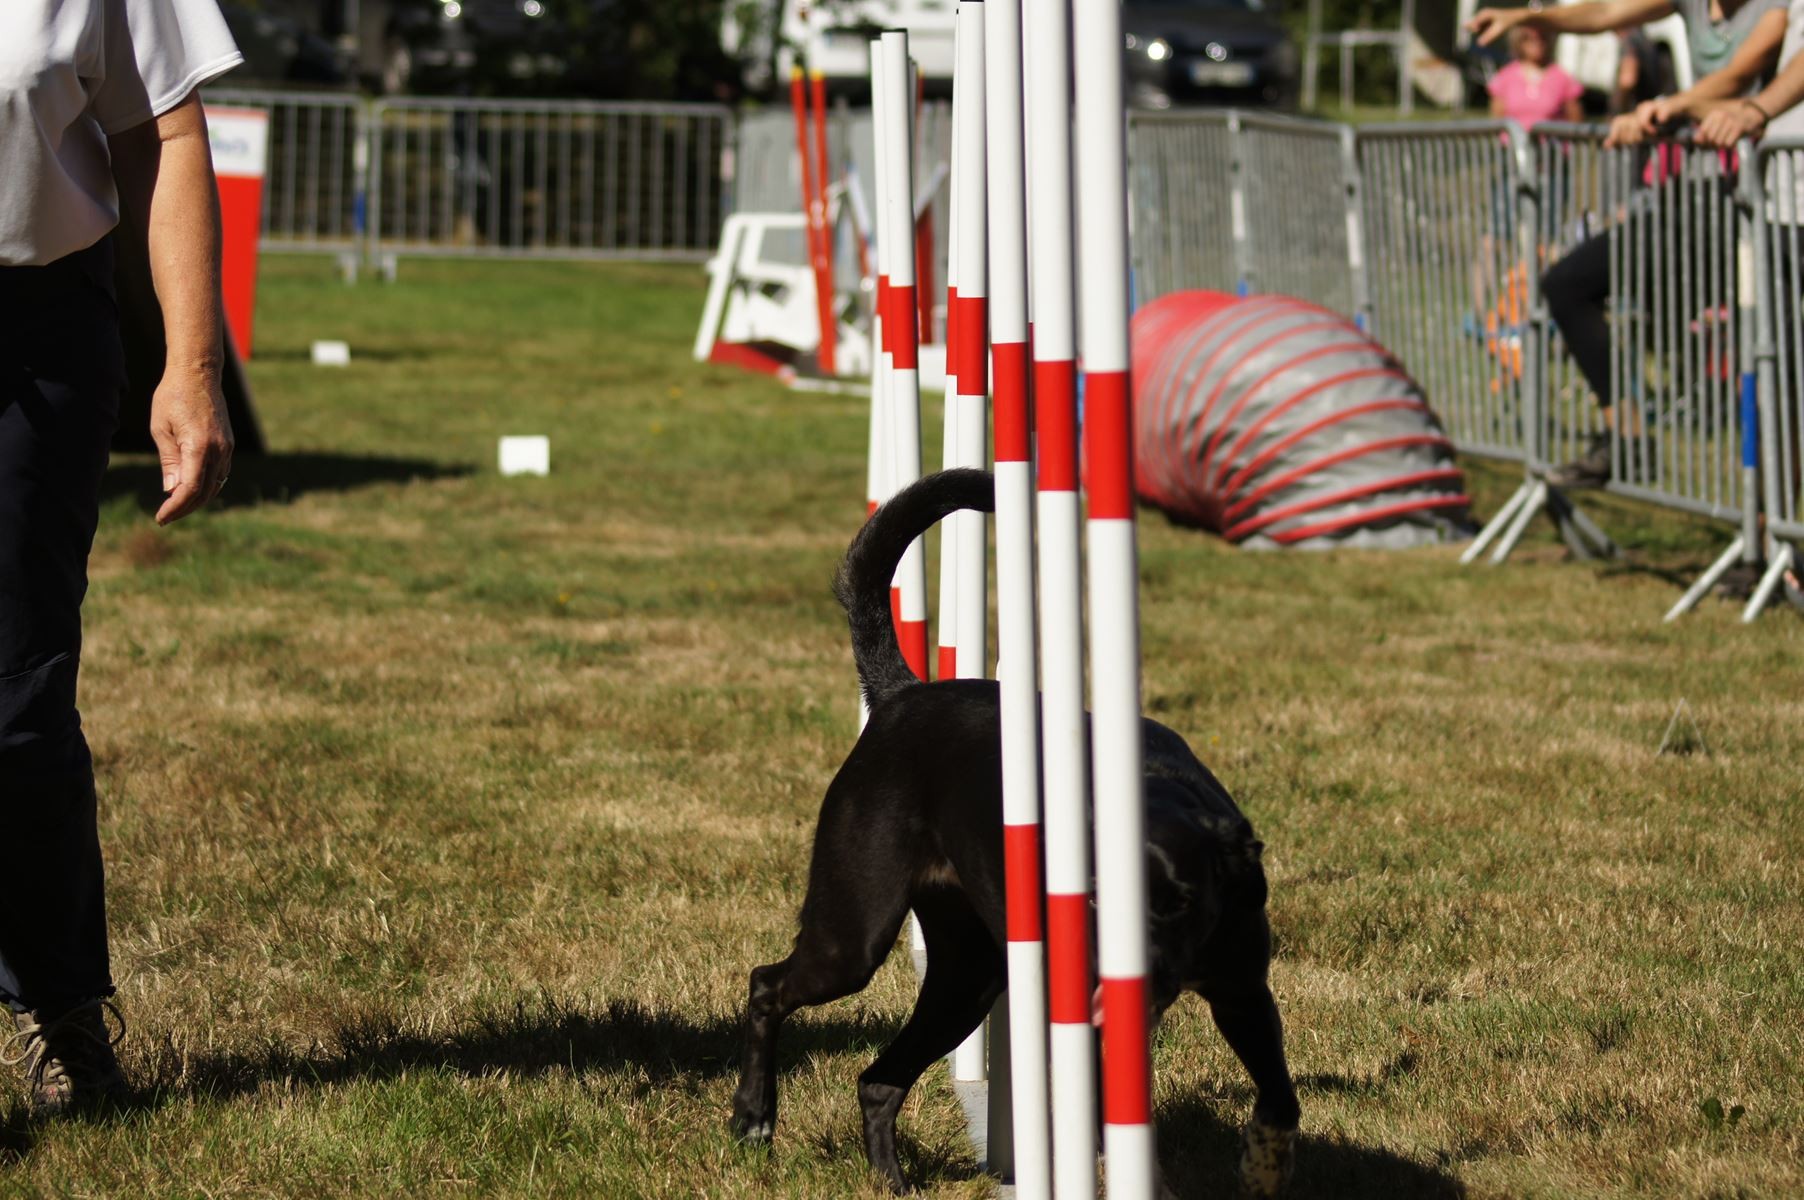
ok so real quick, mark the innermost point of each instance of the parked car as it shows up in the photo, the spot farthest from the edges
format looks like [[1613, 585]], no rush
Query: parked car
[[1208, 52]]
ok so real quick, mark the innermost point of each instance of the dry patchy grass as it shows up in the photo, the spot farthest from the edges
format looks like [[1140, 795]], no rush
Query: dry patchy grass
[[445, 813]]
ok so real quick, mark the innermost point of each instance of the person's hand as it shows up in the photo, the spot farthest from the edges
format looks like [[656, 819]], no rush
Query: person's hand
[[1727, 123], [188, 422], [1489, 24], [1627, 129]]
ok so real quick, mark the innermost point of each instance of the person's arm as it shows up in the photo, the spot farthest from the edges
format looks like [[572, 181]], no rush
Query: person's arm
[[164, 171], [1726, 122], [1595, 16], [1497, 109], [1752, 59], [1573, 112]]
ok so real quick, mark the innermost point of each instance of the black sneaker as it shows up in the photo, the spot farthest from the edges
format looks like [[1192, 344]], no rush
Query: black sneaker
[[68, 1060]]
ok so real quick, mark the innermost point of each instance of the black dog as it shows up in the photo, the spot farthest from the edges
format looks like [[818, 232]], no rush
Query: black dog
[[914, 821]]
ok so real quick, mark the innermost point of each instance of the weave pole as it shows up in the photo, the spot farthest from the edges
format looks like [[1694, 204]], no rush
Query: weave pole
[[879, 460], [1114, 598], [946, 664], [1064, 722], [959, 579], [814, 216], [1016, 637], [903, 386], [829, 353]]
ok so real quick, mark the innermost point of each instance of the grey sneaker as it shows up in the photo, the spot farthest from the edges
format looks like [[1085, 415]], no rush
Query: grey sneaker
[[68, 1060], [1593, 468], [1589, 470]]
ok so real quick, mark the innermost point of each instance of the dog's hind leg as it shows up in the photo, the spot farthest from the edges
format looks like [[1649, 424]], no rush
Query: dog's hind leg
[[965, 974], [850, 920], [1248, 1019]]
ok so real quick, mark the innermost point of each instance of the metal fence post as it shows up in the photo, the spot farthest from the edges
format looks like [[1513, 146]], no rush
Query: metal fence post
[[1779, 554], [1751, 335], [1356, 251], [1244, 276]]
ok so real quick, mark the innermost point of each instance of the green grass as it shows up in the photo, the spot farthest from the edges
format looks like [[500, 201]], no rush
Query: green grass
[[445, 813]]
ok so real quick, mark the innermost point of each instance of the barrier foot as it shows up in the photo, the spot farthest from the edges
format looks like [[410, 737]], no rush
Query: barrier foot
[[1533, 503], [1769, 583], [1580, 533], [1707, 580], [1496, 524]]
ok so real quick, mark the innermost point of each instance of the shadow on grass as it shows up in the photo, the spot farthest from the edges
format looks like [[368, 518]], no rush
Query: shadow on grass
[[279, 478], [1201, 1155], [529, 1039]]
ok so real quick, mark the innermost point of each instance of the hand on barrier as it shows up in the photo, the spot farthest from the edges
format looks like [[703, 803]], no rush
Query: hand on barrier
[[1726, 122], [1633, 128]]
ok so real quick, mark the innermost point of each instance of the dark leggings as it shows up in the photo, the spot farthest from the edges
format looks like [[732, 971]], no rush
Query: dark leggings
[[61, 373], [1577, 292], [1577, 288]]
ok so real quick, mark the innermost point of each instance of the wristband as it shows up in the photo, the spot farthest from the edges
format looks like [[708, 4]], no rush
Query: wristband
[[1765, 117]]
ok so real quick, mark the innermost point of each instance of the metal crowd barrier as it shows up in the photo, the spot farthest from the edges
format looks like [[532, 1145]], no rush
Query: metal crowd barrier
[[1438, 235], [1448, 295], [1777, 204], [1302, 231], [546, 179], [313, 187], [1187, 226]]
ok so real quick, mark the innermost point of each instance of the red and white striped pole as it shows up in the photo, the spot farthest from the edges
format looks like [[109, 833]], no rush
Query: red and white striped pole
[[1114, 598], [947, 662], [814, 217], [829, 354], [901, 329], [880, 465], [1017, 666], [967, 339], [1064, 722]]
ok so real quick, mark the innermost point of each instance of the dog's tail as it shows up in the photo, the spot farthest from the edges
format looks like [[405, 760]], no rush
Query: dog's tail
[[863, 582]]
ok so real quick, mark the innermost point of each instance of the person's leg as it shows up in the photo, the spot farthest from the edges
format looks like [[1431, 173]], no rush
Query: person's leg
[[1576, 290], [61, 372]]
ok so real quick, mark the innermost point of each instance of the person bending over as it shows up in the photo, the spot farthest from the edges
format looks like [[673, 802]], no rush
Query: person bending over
[[98, 120]]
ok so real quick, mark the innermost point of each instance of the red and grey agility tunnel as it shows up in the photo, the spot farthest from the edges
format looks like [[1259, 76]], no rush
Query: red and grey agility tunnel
[[1274, 422]]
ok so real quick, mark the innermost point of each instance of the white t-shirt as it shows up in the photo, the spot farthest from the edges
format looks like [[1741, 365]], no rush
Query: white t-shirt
[[1785, 172], [72, 72], [1790, 123]]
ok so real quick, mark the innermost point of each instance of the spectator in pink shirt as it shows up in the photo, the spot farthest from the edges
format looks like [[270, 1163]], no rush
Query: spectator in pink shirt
[[1533, 88]]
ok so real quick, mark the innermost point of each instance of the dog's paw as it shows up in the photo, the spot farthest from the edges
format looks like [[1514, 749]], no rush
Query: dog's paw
[[1267, 1156], [755, 1131]]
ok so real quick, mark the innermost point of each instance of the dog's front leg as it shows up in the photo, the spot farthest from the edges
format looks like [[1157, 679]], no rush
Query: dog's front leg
[[755, 1100], [1249, 1020]]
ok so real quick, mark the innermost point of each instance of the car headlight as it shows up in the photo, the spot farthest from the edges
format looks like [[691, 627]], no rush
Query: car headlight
[[1158, 49]]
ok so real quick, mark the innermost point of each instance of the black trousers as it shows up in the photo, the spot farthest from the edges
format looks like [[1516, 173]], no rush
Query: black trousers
[[61, 375], [1577, 287]]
